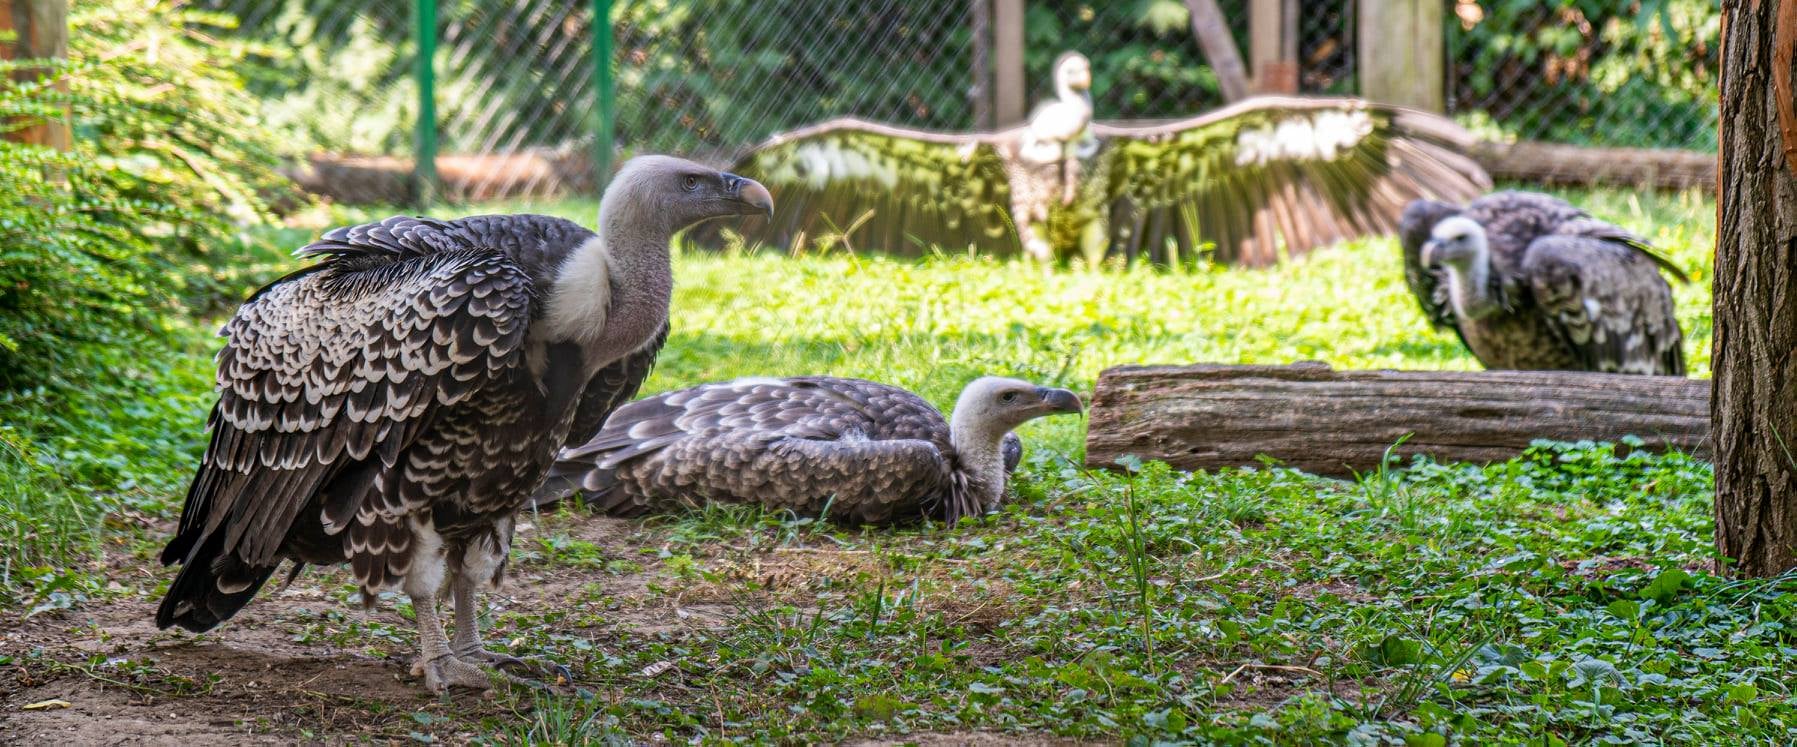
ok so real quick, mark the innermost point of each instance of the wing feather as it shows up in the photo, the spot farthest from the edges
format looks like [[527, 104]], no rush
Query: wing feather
[[888, 189], [1271, 172], [1607, 302], [330, 366]]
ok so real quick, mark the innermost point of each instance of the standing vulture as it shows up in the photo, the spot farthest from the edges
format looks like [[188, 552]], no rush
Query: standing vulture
[[1529, 281], [394, 404], [865, 453], [1305, 172]]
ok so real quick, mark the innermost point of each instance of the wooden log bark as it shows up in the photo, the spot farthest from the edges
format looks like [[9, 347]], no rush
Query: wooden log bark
[[1329, 422], [1553, 163], [386, 180], [36, 30]]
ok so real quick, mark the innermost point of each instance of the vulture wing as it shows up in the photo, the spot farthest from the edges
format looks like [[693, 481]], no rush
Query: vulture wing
[[328, 375], [1310, 172], [1607, 302], [879, 187], [865, 450], [611, 387]]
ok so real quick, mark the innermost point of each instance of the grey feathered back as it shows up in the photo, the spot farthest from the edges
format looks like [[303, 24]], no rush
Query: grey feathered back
[[1578, 293], [868, 452]]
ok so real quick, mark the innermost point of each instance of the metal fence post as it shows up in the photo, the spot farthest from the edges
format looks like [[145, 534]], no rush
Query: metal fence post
[[607, 103], [424, 156]]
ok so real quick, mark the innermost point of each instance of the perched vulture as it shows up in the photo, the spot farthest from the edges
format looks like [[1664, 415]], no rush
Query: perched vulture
[[1530, 282], [1299, 171], [864, 453], [394, 404]]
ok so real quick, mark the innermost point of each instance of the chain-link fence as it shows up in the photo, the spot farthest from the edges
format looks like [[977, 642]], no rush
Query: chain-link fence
[[1636, 73], [517, 82]]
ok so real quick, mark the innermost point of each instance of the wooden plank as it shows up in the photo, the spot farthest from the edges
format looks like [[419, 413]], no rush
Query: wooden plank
[[1331, 422], [1009, 91], [1402, 57], [1273, 45]]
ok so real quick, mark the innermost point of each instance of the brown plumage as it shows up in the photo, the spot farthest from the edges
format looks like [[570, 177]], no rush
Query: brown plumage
[[1297, 173], [394, 404], [858, 451], [1529, 281]]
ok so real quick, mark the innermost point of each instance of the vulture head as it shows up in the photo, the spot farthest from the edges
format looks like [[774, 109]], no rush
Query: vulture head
[[987, 411], [1072, 75], [1457, 243], [674, 193]]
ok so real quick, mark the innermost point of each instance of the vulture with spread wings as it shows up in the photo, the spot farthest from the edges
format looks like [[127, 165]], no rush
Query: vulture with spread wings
[[1239, 182]]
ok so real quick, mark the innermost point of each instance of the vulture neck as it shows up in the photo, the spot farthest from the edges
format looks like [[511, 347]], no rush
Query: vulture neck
[[611, 295], [1469, 288], [979, 447]]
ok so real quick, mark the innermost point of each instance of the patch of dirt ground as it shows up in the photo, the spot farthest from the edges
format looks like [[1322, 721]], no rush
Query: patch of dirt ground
[[307, 665]]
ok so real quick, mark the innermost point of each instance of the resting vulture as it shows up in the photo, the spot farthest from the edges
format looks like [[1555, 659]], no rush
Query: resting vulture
[[862, 452], [1305, 172], [1529, 281], [394, 404]]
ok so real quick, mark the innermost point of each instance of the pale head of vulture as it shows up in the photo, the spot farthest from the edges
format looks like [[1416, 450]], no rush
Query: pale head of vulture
[[1072, 75], [988, 410], [1459, 245], [673, 193], [611, 295]]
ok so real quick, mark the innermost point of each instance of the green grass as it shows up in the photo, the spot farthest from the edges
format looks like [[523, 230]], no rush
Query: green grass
[[1564, 596]]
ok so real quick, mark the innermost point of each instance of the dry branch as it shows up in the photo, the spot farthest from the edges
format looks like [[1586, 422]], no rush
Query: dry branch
[[1331, 422]]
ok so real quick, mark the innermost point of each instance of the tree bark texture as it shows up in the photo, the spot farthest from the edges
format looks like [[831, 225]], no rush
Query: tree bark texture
[[1754, 354], [1554, 163], [1211, 29], [1336, 423], [38, 30]]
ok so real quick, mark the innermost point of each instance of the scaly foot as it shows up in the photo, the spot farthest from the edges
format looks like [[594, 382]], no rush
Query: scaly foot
[[526, 668], [446, 671]]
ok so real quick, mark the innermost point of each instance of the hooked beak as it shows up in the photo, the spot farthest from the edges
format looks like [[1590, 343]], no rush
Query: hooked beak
[[1430, 249], [1060, 400], [749, 197]]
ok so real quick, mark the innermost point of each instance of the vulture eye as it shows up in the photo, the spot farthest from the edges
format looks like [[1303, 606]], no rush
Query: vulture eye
[[690, 183], [1008, 397]]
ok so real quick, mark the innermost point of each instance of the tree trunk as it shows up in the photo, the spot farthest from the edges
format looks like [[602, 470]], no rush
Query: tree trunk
[[1339, 422], [1754, 357], [38, 30], [1211, 29]]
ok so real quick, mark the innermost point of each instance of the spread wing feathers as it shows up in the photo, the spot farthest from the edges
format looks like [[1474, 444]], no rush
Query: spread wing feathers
[[874, 186], [1308, 172], [865, 449], [327, 370], [1607, 303]]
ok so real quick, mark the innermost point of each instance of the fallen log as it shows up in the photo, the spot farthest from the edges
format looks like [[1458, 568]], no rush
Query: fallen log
[[1553, 163], [1329, 422], [537, 173]]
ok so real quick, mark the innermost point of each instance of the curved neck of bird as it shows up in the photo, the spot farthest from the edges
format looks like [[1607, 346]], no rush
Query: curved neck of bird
[[1469, 287], [979, 447], [1065, 92], [612, 296]]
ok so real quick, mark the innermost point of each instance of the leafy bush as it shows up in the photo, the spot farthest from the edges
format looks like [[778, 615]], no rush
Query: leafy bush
[[1595, 72], [103, 240]]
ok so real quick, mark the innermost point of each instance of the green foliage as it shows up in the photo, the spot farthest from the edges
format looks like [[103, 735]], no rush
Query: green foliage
[[104, 240], [1623, 74], [1144, 61]]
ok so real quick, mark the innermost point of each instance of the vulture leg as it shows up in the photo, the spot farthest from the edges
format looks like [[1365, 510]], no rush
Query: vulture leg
[[483, 565], [437, 663]]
